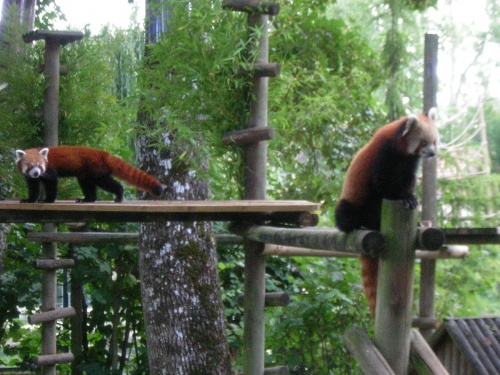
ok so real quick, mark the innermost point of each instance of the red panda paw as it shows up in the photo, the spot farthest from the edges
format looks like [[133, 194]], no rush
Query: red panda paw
[[411, 202]]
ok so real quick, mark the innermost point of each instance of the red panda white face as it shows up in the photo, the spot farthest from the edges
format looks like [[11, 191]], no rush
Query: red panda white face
[[421, 135], [32, 165]]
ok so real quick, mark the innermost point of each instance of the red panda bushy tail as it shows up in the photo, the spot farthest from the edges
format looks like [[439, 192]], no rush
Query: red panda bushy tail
[[134, 176], [369, 273]]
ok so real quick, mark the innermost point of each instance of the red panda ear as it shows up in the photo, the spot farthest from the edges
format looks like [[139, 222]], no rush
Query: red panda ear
[[432, 114], [44, 152], [19, 155], [410, 124]]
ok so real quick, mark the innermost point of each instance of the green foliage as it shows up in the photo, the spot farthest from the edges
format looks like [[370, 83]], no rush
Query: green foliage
[[307, 334], [47, 11], [321, 105], [457, 278]]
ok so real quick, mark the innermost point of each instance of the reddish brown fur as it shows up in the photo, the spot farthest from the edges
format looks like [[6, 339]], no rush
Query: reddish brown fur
[[88, 164]]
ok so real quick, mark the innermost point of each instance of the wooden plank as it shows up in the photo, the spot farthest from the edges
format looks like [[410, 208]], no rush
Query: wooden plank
[[422, 356], [367, 355], [11, 211]]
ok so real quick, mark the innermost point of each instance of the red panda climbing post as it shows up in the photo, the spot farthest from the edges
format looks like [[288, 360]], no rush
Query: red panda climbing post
[[395, 285], [385, 168]]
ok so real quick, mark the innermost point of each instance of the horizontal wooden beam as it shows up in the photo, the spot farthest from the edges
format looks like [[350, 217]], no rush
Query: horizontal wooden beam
[[448, 252], [359, 242], [469, 236], [252, 6], [52, 264], [277, 370], [53, 359], [11, 211], [50, 316], [430, 238], [248, 136], [426, 323]]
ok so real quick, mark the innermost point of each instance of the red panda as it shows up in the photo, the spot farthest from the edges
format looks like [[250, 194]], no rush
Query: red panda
[[93, 168], [385, 168]]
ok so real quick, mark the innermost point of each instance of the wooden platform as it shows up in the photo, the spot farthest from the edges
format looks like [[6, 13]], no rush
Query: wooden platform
[[12, 211]]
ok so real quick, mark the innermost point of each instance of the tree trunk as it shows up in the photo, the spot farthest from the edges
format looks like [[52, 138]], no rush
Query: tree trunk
[[183, 312], [182, 305], [25, 13]]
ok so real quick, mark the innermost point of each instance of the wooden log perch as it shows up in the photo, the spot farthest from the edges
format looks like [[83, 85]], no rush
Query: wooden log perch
[[50, 316], [365, 352], [426, 323], [267, 70], [252, 6], [248, 136], [422, 356], [430, 238], [360, 242], [82, 237], [52, 264], [53, 359], [272, 299]]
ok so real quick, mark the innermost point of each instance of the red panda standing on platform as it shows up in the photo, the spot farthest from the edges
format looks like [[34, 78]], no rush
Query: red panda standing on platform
[[93, 168], [385, 168]]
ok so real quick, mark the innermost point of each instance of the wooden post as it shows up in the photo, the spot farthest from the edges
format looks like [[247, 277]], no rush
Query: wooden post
[[395, 285], [53, 41], [429, 183], [51, 138], [255, 188]]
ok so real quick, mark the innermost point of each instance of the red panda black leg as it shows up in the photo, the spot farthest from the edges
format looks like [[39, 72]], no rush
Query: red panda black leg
[[109, 184], [33, 190], [89, 190], [50, 185]]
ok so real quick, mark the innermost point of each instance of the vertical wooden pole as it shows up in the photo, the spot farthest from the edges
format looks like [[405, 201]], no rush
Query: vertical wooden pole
[[49, 300], [51, 138], [255, 188], [51, 99], [395, 285], [429, 183]]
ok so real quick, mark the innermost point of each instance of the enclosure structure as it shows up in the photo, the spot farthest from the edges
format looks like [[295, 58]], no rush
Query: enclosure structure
[[259, 222], [469, 345]]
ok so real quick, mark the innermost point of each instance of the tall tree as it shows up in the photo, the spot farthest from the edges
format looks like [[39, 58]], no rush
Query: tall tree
[[184, 321]]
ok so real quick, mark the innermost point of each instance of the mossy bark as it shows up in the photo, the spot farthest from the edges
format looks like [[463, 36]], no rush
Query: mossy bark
[[183, 311]]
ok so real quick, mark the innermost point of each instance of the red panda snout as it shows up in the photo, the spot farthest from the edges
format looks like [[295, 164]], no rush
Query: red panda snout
[[427, 151], [35, 172]]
